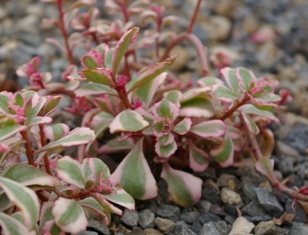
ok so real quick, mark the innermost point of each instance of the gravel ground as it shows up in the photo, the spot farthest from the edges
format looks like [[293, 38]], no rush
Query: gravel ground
[[269, 37]]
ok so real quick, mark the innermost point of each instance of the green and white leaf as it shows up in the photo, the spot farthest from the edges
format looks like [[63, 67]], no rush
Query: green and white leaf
[[122, 198], [100, 122], [223, 153], [100, 76], [69, 215], [198, 159], [128, 121], [252, 126], [166, 109], [115, 145], [251, 109], [223, 93], [10, 130], [197, 107], [265, 166], [230, 76], [91, 203], [174, 97], [134, 174], [209, 129], [92, 88], [24, 198], [56, 131], [11, 226], [184, 189], [245, 77], [165, 151], [183, 126]]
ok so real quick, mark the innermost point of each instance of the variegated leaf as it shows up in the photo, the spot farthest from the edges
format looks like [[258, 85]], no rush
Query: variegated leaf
[[184, 189], [174, 97], [9, 130], [165, 151], [183, 126], [69, 215], [105, 204], [265, 166], [223, 93], [229, 75], [245, 77], [100, 122], [56, 131], [166, 109], [223, 154], [122, 198], [251, 125], [24, 198], [99, 75], [197, 107], [115, 145], [92, 88], [11, 226], [251, 109], [198, 159], [91, 203], [128, 121], [134, 174], [209, 129]]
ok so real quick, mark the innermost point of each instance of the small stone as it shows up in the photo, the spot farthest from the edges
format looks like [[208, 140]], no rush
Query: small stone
[[122, 229], [286, 166], [264, 227], [283, 150], [249, 189], [209, 228], [190, 217], [146, 219], [217, 210], [204, 206], [208, 217], [169, 211], [218, 27], [297, 138], [300, 215], [258, 218], [229, 196], [87, 233], [222, 227], [278, 231], [253, 209], [152, 231], [226, 180], [269, 202], [229, 219], [136, 231], [99, 227], [196, 227], [210, 192], [164, 225], [130, 218], [299, 228], [181, 228], [241, 226]]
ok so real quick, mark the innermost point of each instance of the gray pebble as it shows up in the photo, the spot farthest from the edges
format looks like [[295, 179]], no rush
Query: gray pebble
[[269, 202], [190, 217], [164, 225], [130, 218], [99, 227], [209, 228], [208, 217], [299, 229], [146, 219], [204, 206], [181, 228], [169, 211], [253, 209]]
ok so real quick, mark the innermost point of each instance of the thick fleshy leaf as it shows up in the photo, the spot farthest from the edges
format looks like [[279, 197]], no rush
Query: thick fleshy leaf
[[152, 73], [208, 129], [99, 75], [128, 121], [161, 126], [39, 121], [100, 122], [122, 198], [69, 215], [265, 166], [223, 154], [46, 214], [29, 175], [9, 130], [50, 105], [92, 88], [183, 126], [97, 167], [174, 97], [245, 77], [105, 204], [70, 171], [165, 151], [166, 139], [116, 145], [252, 126], [24, 198], [197, 107], [34, 107], [231, 79], [146, 92], [11, 226], [223, 93], [166, 109], [78, 136], [251, 109], [134, 174], [5, 202], [208, 81], [4, 100], [198, 159], [128, 38], [91, 203], [56, 131], [267, 142], [184, 189]]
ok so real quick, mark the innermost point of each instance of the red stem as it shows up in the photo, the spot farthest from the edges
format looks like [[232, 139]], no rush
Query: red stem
[[29, 150], [43, 142], [193, 18], [64, 32], [233, 109]]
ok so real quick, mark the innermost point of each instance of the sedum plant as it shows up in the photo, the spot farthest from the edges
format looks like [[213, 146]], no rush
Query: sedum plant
[[166, 128]]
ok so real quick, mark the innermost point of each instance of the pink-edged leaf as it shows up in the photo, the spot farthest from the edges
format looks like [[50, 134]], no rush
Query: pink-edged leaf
[[95, 89], [251, 109], [46, 214], [237, 137], [78, 136], [223, 93], [100, 122], [198, 159], [24, 198], [165, 151], [152, 73], [70, 171], [50, 227], [161, 126], [39, 121], [56, 131], [174, 97], [115, 145], [267, 142], [252, 126], [269, 101], [265, 166], [93, 59], [209, 129], [197, 107], [165, 109], [11, 226], [105, 204], [223, 153], [184, 189], [10, 130], [146, 92], [4, 148], [165, 139], [122, 198], [29, 175], [208, 81], [229, 75], [34, 107], [91, 203], [183, 126], [97, 167], [134, 174], [99, 75], [168, 19], [245, 78], [50, 105], [69, 215], [128, 121], [128, 38]]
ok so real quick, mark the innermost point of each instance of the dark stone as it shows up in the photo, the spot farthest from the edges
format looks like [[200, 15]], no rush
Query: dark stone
[[299, 229], [249, 188], [297, 138], [257, 219], [269, 202], [231, 210], [253, 209], [208, 217], [299, 211], [190, 217], [217, 210], [286, 166], [137, 231], [278, 231], [169, 211], [209, 228], [181, 228], [130, 218], [146, 219], [229, 219], [88, 233], [211, 193], [222, 227], [196, 227], [204, 206], [98, 227]]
